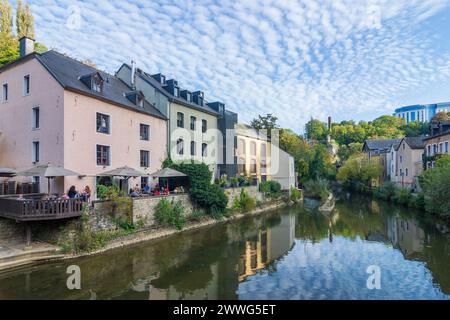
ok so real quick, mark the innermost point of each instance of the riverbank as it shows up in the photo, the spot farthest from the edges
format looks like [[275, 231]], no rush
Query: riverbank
[[139, 236]]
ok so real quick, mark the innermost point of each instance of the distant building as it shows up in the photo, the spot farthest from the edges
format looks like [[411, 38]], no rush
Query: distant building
[[422, 113], [437, 143], [409, 161], [381, 150]]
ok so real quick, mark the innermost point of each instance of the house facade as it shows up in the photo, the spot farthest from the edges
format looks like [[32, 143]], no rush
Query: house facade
[[57, 110], [193, 132], [381, 151], [410, 161], [253, 153], [437, 143]]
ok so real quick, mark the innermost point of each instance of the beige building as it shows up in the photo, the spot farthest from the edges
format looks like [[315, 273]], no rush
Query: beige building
[[253, 153], [57, 110], [193, 129], [409, 160]]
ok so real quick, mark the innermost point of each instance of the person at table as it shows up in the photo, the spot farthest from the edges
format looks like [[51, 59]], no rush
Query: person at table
[[65, 196], [147, 188], [157, 192], [72, 192], [86, 194], [21, 198]]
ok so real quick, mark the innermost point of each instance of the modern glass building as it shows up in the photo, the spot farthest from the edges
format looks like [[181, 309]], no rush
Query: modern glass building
[[421, 112]]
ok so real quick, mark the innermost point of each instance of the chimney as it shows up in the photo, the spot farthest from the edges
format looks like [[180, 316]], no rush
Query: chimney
[[26, 46], [329, 123], [133, 75]]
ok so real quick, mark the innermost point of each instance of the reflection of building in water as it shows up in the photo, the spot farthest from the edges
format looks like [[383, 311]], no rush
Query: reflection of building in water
[[406, 235], [268, 245]]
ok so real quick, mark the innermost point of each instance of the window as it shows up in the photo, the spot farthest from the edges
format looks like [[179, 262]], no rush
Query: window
[[253, 148], [96, 86], [204, 150], [263, 167], [35, 151], [180, 146], [406, 171], [140, 101], [429, 151], [401, 159], [263, 151], [145, 159], [103, 155], [26, 85], [204, 125], [180, 120], [5, 92], [35, 119], [241, 166], [446, 146], [241, 146], [176, 91], [144, 132], [253, 166], [193, 121], [103, 123], [193, 148], [441, 147], [403, 146]]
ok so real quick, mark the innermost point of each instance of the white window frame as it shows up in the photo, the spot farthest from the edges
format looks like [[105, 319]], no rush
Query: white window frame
[[33, 151], [3, 92], [33, 118], [110, 155], [110, 123], [24, 85]]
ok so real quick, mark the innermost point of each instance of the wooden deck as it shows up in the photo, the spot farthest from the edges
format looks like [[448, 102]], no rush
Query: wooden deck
[[40, 210]]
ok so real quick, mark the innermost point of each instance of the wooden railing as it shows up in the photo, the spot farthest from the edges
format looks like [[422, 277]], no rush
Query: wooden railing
[[37, 210]]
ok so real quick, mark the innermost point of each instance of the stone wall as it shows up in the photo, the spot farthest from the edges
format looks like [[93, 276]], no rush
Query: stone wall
[[144, 208], [11, 230], [253, 191]]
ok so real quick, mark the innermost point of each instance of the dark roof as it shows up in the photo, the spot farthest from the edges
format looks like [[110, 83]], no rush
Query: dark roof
[[380, 144], [157, 85], [415, 142], [68, 71]]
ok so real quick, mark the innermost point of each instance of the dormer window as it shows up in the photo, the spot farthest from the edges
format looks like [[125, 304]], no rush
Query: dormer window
[[163, 79], [188, 97], [94, 81], [176, 91], [136, 97]]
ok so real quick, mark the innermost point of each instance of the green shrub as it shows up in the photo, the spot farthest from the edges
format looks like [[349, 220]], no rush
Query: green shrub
[[197, 215], [436, 186], [402, 196], [317, 189], [295, 194], [386, 191], [246, 202], [167, 213], [270, 188]]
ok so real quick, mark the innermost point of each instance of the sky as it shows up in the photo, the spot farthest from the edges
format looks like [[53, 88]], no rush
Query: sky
[[296, 59]]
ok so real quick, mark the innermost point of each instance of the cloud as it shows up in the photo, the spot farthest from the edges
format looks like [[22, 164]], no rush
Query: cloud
[[296, 59]]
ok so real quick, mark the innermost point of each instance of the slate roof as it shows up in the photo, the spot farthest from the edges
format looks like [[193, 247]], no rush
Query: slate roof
[[67, 71], [154, 83], [380, 144], [415, 142]]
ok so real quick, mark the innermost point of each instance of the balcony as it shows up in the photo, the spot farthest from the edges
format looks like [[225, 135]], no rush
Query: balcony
[[24, 210]]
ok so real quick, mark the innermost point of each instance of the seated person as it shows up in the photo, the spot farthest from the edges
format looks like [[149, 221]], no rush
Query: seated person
[[72, 192], [65, 196], [147, 188]]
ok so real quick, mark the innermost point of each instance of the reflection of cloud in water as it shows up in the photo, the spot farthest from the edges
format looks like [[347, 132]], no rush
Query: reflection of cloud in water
[[338, 271]]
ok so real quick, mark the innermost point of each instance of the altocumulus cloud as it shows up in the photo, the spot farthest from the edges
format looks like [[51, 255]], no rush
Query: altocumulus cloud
[[296, 59]]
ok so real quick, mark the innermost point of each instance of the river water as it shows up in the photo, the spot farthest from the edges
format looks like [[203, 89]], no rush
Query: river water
[[293, 253]]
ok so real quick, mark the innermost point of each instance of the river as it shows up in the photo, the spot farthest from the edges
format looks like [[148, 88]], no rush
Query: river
[[293, 253]]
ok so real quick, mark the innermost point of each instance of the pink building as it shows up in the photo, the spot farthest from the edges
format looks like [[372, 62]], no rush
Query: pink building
[[54, 109]]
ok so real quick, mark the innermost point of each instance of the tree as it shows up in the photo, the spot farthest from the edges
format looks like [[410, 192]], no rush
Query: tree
[[440, 116], [268, 122], [316, 130], [347, 151], [24, 21], [358, 172], [297, 147], [436, 184], [415, 129], [9, 49]]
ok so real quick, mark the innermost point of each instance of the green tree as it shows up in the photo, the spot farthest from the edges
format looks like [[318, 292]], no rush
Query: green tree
[[24, 21], [440, 116], [347, 151], [316, 130], [436, 185], [415, 129], [9, 49], [358, 172], [268, 122], [320, 164]]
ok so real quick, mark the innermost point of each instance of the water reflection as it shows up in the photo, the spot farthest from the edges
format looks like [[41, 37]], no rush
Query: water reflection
[[296, 253]]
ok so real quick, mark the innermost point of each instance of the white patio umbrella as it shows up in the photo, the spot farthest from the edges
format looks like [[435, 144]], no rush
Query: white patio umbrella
[[125, 172], [47, 171], [7, 172]]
